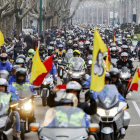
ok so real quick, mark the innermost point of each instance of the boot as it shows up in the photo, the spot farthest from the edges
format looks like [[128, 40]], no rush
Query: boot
[[18, 135]]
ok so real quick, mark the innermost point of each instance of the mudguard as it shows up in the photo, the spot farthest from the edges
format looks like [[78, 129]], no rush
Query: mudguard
[[9, 134], [126, 119], [47, 90], [107, 130]]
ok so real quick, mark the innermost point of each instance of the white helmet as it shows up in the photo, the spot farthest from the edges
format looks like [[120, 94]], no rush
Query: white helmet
[[124, 54], [74, 86]]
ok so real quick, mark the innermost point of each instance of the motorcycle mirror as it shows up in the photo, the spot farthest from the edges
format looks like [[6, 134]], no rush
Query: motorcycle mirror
[[93, 127], [34, 127], [36, 87]]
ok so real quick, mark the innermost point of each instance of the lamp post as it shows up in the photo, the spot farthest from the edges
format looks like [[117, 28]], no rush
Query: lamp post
[[40, 20]]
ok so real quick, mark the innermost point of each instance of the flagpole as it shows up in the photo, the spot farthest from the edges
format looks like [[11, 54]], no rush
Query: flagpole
[[133, 78], [36, 61]]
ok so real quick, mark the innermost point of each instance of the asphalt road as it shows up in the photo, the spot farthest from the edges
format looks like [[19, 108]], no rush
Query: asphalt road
[[133, 99]]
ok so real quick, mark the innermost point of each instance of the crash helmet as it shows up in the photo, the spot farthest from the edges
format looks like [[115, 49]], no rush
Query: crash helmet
[[135, 38], [107, 76], [4, 74], [53, 39], [113, 44], [42, 46], [20, 72], [62, 38], [124, 56], [51, 44], [128, 37], [60, 47], [4, 82], [3, 58], [76, 52], [125, 48], [31, 52], [75, 46], [114, 72], [69, 98], [119, 43], [22, 56], [70, 43], [87, 43], [20, 61], [14, 68], [57, 40], [114, 51], [75, 41], [50, 50]]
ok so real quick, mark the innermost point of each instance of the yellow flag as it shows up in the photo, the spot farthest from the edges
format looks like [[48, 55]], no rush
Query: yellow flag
[[98, 71], [1, 39], [38, 67]]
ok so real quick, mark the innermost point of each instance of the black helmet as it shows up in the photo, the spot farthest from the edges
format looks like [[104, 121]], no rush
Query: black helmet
[[22, 56], [19, 72], [3, 58], [114, 72], [4, 74], [107, 76], [41, 46], [51, 43], [3, 82]]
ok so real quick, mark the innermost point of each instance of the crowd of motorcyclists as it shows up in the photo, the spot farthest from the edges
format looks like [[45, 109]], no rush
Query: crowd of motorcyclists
[[72, 62]]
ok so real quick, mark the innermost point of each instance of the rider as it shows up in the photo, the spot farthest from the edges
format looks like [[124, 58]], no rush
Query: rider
[[75, 88], [13, 72], [50, 51], [20, 62], [114, 73], [124, 61], [30, 54], [42, 50], [4, 88], [60, 51], [113, 53], [58, 43], [4, 64]]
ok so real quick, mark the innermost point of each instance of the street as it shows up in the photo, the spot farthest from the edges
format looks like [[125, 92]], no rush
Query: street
[[133, 100]]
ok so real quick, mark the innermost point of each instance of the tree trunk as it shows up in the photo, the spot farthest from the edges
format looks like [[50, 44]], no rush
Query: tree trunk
[[48, 23], [44, 25], [3, 26], [18, 26], [9, 26]]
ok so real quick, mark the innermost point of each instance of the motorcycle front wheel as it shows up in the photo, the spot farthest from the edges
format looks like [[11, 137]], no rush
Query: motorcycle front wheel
[[22, 129], [107, 137], [44, 97]]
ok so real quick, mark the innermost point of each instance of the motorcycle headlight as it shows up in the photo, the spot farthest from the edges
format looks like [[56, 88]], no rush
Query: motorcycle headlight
[[124, 76], [45, 82], [28, 105], [59, 61], [111, 112], [76, 74], [70, 72], [90, 62]]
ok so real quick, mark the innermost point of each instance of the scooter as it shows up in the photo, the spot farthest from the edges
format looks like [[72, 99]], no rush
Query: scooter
[[111, 114]]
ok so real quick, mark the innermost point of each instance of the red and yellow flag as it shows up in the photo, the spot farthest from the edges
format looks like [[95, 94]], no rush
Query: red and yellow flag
[[135, 82], [1, 38], [114, 39], [108, 61]]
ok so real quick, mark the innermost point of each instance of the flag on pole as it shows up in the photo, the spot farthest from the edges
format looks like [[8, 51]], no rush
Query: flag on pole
[[1, 38], [98, 71], [114, 39], [48, 63], [108, 61], [135, 82], [37, 67]]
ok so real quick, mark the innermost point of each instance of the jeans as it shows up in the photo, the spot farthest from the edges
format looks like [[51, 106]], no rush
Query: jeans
[[17, 120]]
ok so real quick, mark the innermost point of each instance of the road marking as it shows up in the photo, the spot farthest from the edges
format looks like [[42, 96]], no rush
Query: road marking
[[136, 107], [134, 125], [130, 94]]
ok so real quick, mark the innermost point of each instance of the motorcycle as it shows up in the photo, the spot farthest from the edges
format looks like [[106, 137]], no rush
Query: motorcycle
[[111, 114], [76, 71], [7, 119], [66, 129], [25, 110], [124, 76], [45, 87]]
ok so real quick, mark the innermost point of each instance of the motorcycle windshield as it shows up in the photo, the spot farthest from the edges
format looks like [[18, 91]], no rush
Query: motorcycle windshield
[[76, 64], [48, 75], [108, 97], [89, 57], [124, 69], [24, 92], [4, 103], [65, 117]]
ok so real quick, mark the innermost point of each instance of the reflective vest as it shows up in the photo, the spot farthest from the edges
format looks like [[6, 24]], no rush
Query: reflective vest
[[75, 118], [21, 87]]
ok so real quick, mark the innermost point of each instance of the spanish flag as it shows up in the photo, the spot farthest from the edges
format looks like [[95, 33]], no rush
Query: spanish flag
[[135, 82], [98, 70], [108, 61], [1, 39], [114, 39]]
